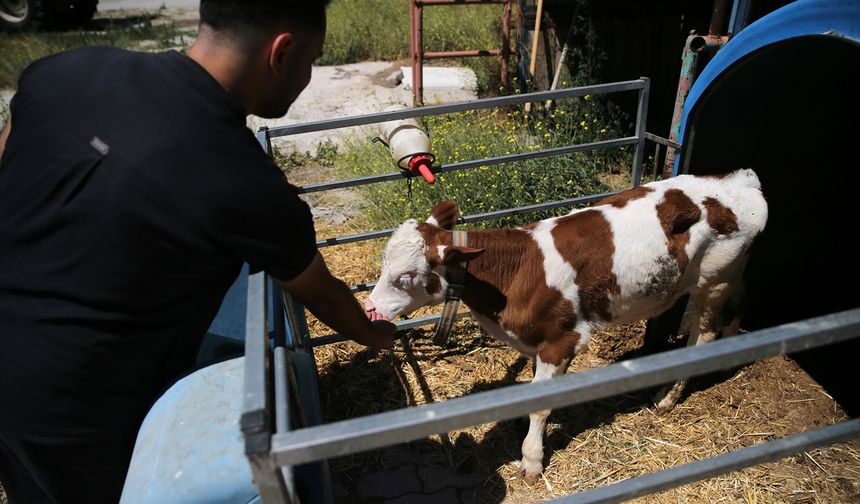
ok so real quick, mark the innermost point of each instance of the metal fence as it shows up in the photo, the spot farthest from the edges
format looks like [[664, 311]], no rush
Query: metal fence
[[279, 441]]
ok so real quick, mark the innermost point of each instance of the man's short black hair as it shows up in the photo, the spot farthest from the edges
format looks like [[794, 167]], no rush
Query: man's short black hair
[[250, 17]]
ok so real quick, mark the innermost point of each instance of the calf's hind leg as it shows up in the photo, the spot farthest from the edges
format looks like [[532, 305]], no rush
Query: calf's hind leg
[[711, 304]]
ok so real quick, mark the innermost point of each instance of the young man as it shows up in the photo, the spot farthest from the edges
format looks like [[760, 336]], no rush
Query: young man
[[131, 192]]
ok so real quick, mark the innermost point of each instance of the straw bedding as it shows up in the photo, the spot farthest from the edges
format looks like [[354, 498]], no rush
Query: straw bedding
[[590, 445]]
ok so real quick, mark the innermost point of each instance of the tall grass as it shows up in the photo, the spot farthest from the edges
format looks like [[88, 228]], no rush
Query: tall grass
[[360, 30], [483, 134], [20, 49]]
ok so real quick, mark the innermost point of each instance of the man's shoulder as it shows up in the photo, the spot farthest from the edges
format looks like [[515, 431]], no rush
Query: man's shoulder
[[81, 60]]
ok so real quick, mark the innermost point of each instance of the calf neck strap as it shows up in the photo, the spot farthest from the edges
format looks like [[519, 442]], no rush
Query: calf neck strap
[[456, 284]]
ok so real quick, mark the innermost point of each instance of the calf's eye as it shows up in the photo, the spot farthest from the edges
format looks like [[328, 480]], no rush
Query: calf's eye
[[405, 281]]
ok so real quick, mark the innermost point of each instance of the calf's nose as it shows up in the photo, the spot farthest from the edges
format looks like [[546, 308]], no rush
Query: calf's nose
[[370, 311]]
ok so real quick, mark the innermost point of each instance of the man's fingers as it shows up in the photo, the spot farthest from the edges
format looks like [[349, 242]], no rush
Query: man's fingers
[[385, 326]]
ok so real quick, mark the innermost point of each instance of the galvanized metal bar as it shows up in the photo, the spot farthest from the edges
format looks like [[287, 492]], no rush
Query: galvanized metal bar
[[282, 390], [662, 141], [264, 140], [497, 214], [281, 399], [714, 466], [501, 101], [255, 422], [328, 242], [375, 431], [641, 119], [273, 486], [254, 400], [402, 325], [475, 163]]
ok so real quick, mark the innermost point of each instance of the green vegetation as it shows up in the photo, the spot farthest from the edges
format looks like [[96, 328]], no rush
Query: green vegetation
[[19, 50], [488, 133], [360, 30], [482, 134]]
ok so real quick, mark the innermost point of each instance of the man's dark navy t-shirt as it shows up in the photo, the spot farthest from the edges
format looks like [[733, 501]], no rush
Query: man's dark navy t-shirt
[[131, 192]]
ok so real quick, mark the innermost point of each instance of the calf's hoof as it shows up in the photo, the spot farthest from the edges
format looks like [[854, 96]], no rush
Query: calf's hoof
[[664, 402], [668, 396], [530, 471]]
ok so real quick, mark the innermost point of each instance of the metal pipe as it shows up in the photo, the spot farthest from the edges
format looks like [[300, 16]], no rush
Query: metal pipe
[[418, 77], [255, 401], [282, 390], [473, 218], [475, 163], [401, 326], [384, 429], [506, 42], [462, 54], [500, 101], [718, 18], [641, 117], [662, 141], [695, 45], [416, 48]]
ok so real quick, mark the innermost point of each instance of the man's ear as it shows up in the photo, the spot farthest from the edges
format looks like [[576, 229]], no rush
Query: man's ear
[[456, 254], [444, 214], [280, 48]]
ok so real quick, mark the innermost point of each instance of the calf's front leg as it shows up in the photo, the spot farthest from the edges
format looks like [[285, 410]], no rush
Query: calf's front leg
[[532, 463]]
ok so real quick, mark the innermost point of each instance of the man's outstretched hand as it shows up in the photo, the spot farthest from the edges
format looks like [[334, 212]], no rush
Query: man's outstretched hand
[[332, 302], [382, 336]]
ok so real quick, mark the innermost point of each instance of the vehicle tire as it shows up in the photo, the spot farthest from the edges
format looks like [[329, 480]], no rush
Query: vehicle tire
[[22, 15]]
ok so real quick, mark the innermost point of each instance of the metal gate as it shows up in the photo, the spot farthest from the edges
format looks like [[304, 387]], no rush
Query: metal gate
[[278, 442]]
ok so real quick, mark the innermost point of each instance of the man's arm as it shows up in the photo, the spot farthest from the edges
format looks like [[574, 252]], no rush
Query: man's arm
[[331, 301], [5, 133]]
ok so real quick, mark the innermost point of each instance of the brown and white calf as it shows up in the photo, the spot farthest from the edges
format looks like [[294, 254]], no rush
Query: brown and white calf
[[545, 287]]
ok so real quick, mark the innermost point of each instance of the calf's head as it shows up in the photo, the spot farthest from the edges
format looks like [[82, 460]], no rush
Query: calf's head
[[415, 263]]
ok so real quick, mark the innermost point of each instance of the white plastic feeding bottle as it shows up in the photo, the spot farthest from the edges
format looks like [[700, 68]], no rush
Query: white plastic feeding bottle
[[409, 146]]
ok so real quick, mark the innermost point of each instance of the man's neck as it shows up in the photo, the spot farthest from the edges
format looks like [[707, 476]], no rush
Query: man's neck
[[226, 64]]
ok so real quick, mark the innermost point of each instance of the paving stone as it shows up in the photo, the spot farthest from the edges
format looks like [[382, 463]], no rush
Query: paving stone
[[389, 484], [437, 478], [447, 496]]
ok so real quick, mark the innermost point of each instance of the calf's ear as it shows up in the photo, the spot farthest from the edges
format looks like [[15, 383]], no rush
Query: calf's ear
[[457, 254], [444, 214]]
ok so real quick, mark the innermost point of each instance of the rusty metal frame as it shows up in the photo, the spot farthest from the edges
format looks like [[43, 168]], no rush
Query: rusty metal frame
[[418, 54]]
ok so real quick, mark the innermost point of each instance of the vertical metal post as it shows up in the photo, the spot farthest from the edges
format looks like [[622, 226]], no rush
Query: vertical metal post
[[416, 18], [740, 16], [718, 18], [265, 140], [689, 62], [506, 42], [257, 402], [656, 161], [641, 119]]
